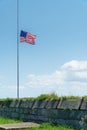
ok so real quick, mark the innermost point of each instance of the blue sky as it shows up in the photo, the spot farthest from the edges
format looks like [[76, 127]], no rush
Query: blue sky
[[58, 61]]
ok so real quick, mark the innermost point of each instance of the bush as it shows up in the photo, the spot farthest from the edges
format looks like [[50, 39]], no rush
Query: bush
[[51, 96]]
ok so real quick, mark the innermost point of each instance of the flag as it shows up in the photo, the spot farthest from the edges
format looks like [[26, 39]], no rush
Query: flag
[[27, 37]]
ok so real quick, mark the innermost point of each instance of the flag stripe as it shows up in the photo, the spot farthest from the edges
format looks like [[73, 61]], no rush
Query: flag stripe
[[27, 37]]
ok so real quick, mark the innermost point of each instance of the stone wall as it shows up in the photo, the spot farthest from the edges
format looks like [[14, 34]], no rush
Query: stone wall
[[63, 112]]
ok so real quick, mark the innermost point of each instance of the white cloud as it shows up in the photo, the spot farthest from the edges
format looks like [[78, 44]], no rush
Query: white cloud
[[72, 76], [75, 65], [69, 79], [46, 80], [75, 71]]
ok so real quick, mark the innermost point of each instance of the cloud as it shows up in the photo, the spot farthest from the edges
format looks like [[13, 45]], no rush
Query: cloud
[[70, 78], [72, 71], [75, 65], [45, 80], [76, 71]]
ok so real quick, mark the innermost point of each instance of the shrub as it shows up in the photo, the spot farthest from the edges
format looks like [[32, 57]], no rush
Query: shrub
[[51, 96]]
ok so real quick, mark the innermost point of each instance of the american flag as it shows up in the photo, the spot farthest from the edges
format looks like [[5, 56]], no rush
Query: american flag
[[27, 37]]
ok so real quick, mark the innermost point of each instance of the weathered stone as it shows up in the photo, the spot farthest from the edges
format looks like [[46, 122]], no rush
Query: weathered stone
[[14, 115], [84, 105], [42, 118], [21, 117], [52, 104], [40, 104], [69, 104], [43, 112], [1, 104], [27, 104], [83, 125], [15, 103], [33, 117], [17, 110], [33, 111], [67, 112], [48, 113], [72, 123], [21, 110], [25, 111]]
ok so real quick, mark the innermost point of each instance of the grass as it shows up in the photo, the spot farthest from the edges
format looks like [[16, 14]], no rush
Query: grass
[[43, 126], [54, 96], [71, 97], [51, 96], [48, 126], [4, 120], [85, 97]]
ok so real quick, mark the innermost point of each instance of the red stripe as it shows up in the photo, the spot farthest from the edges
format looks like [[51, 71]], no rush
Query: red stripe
[[22, 39], [30, 38]]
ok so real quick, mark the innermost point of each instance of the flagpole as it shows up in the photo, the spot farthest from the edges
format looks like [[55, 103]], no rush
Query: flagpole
[[17, 48]]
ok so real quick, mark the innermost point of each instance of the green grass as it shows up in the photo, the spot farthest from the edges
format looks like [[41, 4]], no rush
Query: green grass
[[43, 126], [54, 96], [71, 97], [4, 120], [48, 126], [51, 96], [85, 97]]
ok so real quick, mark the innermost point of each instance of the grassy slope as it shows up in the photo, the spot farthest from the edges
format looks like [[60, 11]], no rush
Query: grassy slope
[[47, 126], [51, 96], [7, 121], [44, 126]]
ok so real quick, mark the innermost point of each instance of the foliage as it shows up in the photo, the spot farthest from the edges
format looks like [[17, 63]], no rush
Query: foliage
[[71, 97], [85, 97], [48, 126], [8, 120], [51, 96]]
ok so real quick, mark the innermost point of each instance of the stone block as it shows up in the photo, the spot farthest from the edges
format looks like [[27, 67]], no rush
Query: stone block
[[33, 111], [33, 117], [84, 105], [39, 104], [71, 123], [22, 116], [1, 104], [25, 111], [27, 104], [5, 103], [48, 113], [28, 117], [15, 103], [69, 104], [42, 112], [21, 110], [42, 118], [52, 104], [14, 115]]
